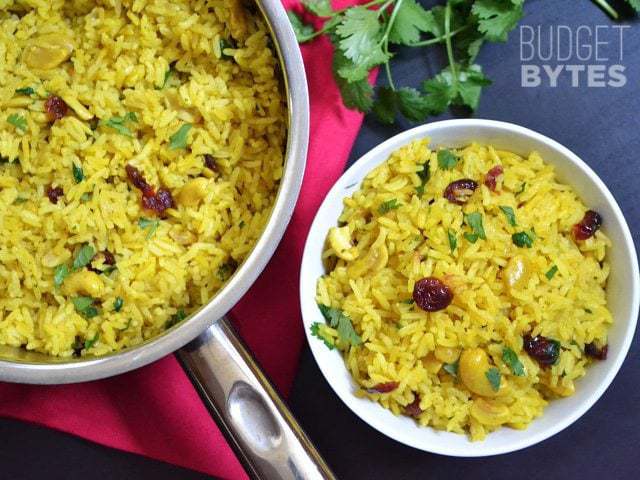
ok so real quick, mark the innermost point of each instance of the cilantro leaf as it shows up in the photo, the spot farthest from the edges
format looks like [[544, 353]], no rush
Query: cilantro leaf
[[412, 19], [321, 8], [360, 33], [28, 91], [470, 237], [355, 94], [316, 331], [424, 174], [117, 304], [453, 241], [18, 121], [522, 187], [303, 31], [523, 239], [91, 342], [635, 4], [509, 213], [389, 205], [78, 174], [551, 272], [474, 220], [84, 257], [443, 91], [451, 368], [175, 318], [384, 107], [338, 320], [496, 18], [119, 123], [440, 93], [493, 375], [167, 77], [447, 159], [84, 306], [412, 104], [510, 358], [59, 274], [151, 224], [179, 139]]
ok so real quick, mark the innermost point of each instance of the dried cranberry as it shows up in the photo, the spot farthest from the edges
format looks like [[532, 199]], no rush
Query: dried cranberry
[[491, 177], [588, 226], [599, 353], [109, 259], [54, 193], [413, 409], [158, 202], [458, 192], [383, 387], [431, 294], [55, 107], [544, 350], [136, 177], [210, 162]]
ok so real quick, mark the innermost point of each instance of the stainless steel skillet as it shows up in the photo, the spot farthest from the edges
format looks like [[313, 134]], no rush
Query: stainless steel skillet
[[251, 414]]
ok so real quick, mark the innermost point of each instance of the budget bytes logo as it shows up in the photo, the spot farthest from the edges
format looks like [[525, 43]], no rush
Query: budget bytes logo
[[583, 56]]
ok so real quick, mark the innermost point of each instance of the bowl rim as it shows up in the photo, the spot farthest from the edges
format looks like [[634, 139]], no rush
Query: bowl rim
[[502, 128]]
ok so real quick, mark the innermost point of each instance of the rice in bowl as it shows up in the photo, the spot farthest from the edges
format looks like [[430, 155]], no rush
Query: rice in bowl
[[519, 310], [141, 148]]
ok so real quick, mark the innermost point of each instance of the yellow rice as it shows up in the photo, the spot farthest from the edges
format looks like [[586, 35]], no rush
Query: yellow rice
[[400, 339], [122, 51]]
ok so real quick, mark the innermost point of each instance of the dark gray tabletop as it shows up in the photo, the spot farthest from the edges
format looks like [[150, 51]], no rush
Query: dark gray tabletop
[[600, 124]]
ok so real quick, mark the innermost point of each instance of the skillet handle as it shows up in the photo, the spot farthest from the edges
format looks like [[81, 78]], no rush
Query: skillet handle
[[256, 422]]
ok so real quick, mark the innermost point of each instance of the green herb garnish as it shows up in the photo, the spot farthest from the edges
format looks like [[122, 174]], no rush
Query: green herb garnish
[[84, 257], [85, 197], [151, 224], [474, 220], [389, 205], [18, 121], [510, 214], [493, 375], [523, 239], [59, 274], [224, 44], [424, 174], [175, 318], [470, 237], [447, 159], [20, 200], [587, 310], [522, 187], [451, 368], [117, 304], [453, 241], [408, 301], [78, 174], [84, 306], [552, 271], [179, 139], [28, 91], [338, 320], [510, 358], [226, 269], [165, 80], [317, 332], [119, 124], [90, 343]]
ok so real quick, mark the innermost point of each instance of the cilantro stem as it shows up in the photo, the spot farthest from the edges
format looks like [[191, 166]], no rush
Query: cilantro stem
[[608, 9], [441, 38], [365, 5], [447, 34], [385, 41]]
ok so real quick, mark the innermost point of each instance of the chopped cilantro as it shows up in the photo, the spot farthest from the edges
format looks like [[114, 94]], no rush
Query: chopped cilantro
[[409, 301], [316, 331], [117, 304], [338, 320], [167, 76], [18, 121], [20, 200], [78, 174], [179, 139], [84, 306], [175, 318], [522, 187], [587, 310], [226, 269], [151, 224], [90, 343], [241, 224], [84, 256], [493, 375], [85, 197], [224, 44], [447, 159], [28, 91], [451, 368], [389, 205], [470, 237], [552, 271], [510, 214], [510, 358], [424, 174], [453, 241], [119, 124], [523, 239], [59, 274], [474, 220]]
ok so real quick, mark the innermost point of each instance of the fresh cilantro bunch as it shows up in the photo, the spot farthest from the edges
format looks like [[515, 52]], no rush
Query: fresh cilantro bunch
[[364, 38]]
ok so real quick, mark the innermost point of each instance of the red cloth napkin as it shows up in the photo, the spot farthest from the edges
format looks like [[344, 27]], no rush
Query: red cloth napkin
[[155, 411]]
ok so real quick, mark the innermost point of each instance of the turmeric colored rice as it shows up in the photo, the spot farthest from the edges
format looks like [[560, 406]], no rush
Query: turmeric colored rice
[[185, 93], [528, 312]]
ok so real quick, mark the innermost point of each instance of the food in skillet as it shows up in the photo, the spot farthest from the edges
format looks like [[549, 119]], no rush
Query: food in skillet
[[465, 288], [141, 147]]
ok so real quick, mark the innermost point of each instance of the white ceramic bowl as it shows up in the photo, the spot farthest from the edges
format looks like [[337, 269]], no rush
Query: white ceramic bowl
[[623, 288]]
